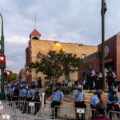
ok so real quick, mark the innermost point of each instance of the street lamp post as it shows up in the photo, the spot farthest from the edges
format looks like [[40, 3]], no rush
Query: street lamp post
[[2, 52], [103, 38]]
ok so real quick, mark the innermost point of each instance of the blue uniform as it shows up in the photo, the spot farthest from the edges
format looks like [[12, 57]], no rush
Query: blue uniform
[[56, 98], [112, 99], [108, 100], [22, 92], [11, 90], [57, 95], [79, 96], [94, 100], [79, 104], [29, 94]]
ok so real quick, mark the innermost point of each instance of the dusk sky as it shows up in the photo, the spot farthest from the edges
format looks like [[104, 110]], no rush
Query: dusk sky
[[74, 21]]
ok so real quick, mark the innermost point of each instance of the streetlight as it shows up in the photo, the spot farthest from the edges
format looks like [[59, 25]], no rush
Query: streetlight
[[2, 52], [104, 8]]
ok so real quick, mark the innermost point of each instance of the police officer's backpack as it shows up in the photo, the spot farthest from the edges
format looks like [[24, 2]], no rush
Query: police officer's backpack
[[37, 97], [109, 74]]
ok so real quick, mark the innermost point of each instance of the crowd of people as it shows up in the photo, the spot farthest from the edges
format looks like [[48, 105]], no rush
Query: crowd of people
[[99, 103], [22, 92]]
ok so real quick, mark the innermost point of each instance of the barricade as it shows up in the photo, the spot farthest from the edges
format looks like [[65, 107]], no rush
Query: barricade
[[20, 107], [70, 112], [13, 110], [114, 114], [5, 107], [7, 116]]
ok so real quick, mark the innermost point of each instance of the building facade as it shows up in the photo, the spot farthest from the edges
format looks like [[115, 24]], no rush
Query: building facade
[[44, 46], [112, 57]]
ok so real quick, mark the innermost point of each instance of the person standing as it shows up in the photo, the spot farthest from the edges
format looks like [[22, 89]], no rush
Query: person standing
[[79, 98], [29, 96], [22, 96], [111, 76], [93, 101], [37, 98], [91, 78], [98, 80], [57, 98], [112, 99]]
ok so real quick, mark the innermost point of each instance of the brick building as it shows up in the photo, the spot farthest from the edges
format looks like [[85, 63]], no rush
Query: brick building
[[37, 45], [112, 57]]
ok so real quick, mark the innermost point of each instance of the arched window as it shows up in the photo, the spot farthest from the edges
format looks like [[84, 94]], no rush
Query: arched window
[[83, 56]]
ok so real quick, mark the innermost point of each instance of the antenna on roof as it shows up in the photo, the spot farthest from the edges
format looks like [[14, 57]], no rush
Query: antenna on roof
[[35, 18]]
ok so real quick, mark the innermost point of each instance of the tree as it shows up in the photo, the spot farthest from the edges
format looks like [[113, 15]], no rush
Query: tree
[[10, 78], [50, 65], [70, 63], [54, 64]]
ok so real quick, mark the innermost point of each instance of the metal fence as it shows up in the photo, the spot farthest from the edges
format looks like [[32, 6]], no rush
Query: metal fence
[[14, 110], [69, 113], [114, 115], [8, 116], [23, 110], [22, 107]]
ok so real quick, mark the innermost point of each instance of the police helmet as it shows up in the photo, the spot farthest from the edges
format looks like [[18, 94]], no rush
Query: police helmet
[[109, 69], [113, 89], [56, 88], [79, 88], [98, 92]]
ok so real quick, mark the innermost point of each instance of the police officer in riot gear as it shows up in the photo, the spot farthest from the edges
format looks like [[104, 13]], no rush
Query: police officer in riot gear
[[37, 98], [112, 101], [91, 78], [93, 101], [57, 98], [29, 96], [79, 98], [110, 75], [98, 80], [16, 93]]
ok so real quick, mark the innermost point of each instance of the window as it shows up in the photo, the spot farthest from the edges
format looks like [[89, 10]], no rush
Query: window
[[83, 56]]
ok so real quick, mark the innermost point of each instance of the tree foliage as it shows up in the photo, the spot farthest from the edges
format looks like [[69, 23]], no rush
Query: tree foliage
[[11, 77], [55, 64]]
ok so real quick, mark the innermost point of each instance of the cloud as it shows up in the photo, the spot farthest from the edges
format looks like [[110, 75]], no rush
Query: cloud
[[77, 21]]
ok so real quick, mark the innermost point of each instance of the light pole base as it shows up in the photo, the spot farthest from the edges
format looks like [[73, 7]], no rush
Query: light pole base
[[2, 96]]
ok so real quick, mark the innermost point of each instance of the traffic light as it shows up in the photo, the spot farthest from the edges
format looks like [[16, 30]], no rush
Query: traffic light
[[8, 73], [2, 61]]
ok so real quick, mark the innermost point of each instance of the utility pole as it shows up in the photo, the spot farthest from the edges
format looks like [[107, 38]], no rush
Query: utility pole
[[104, 8], [2, 65]]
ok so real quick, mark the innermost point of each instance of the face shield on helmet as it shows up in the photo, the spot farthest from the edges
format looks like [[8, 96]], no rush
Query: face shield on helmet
[[56, 89], [79, 88]]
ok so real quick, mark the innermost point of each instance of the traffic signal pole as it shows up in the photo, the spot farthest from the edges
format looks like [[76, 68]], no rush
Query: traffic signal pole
[[2, 68]]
